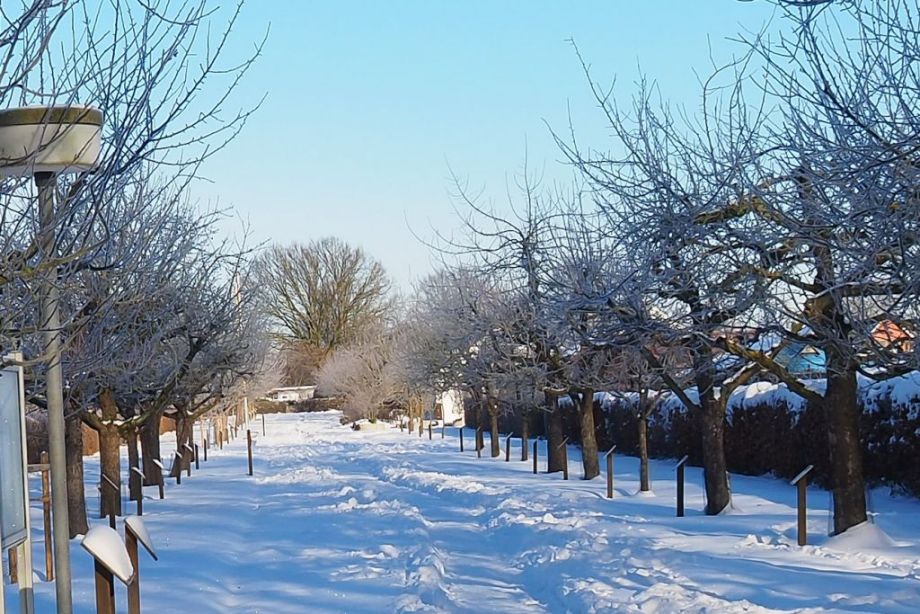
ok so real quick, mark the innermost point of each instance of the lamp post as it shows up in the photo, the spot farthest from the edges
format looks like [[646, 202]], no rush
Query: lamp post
[[42, 142]]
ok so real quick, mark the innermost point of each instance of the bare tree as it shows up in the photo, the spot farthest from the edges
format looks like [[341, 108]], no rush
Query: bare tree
[[145, 65], [509, 250], [322, 296], [366, 375], [672, 170], [833, 208]]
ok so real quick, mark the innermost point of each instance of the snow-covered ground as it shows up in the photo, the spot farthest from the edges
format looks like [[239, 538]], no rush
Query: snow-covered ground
[[342, 521]]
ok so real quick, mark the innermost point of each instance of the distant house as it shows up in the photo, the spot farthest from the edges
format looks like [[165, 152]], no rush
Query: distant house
[[291, 394], [889, 334], [802, 360]]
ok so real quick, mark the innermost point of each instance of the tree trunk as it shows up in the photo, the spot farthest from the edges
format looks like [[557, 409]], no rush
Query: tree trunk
[[554, 433], [712, 427], [493, 425], [76, 491], [109, 457], [644, 482], [589, 454], [183, 437], [150, 450], [842, 414], [135, 490]]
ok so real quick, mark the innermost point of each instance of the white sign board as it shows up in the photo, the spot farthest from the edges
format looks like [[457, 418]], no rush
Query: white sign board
[[14, 528]]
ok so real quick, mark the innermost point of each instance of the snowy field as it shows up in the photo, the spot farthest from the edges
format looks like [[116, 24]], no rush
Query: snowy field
[[342, 521]]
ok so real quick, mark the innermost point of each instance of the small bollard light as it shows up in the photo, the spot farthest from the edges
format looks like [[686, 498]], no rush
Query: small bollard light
[[535, 449], [13, 559], [136, 532], [140, 494], [177, 466], [249, 448], [111, 512], [680, 485], [111, 560], [801, 483], [161, 483], [46, 516], [610, 472], [188, 462], [565, 458]]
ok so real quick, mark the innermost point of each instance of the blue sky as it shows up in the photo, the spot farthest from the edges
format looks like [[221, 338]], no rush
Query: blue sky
[[369, 104]]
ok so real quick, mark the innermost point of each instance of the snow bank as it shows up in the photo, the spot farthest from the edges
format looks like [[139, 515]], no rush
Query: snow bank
[[902, 391], [864, 536]]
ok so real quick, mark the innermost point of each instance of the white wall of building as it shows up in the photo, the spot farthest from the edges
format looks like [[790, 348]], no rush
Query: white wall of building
[[452, 407]]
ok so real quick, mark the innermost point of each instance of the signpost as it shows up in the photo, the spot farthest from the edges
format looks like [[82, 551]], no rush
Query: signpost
[[14, 486]]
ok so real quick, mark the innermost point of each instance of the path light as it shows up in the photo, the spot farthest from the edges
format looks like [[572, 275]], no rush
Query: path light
[[609, 457], [564, 446], [249, 449], [140, 478], [43, 142], [535, 452], [801, 484], [49, 140], [111, 560], [680, 484]]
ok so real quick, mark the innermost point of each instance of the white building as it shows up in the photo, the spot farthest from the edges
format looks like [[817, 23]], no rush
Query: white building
[[451, 405], [291, 394]]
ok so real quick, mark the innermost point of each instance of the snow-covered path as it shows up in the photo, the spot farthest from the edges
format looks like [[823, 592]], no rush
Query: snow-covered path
[[336, 520]]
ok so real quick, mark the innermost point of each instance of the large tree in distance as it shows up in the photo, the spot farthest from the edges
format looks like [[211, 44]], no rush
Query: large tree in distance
[[322, 296]]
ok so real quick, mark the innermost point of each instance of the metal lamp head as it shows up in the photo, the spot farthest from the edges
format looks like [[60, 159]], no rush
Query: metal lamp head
[[59, 139]]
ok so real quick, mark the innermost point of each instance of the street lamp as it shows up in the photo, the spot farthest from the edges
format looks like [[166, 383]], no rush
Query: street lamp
[[43, 142]]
